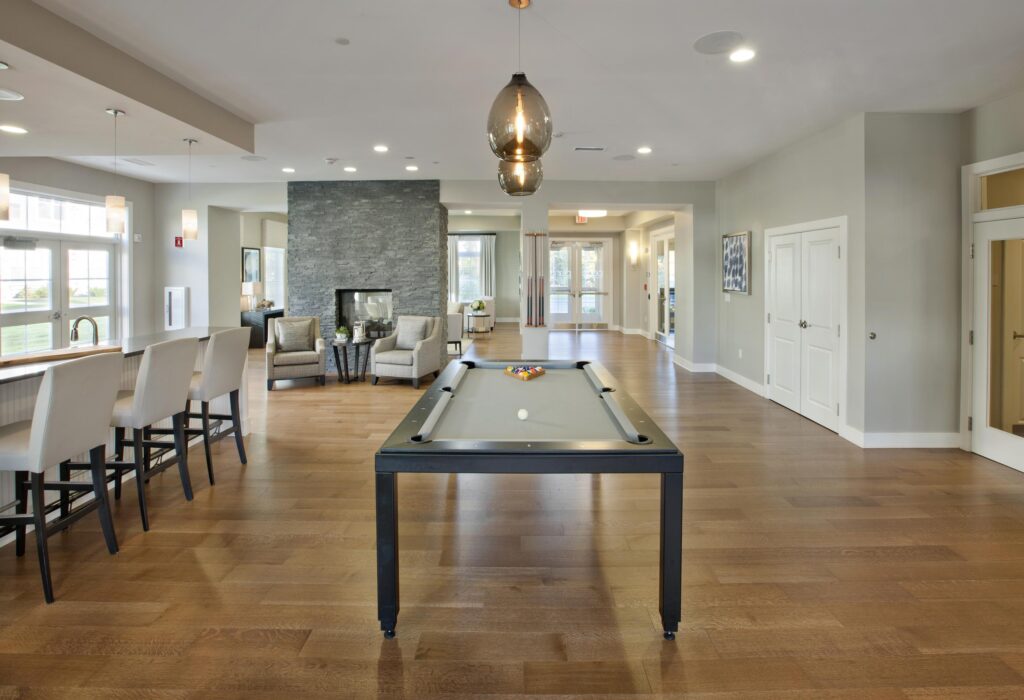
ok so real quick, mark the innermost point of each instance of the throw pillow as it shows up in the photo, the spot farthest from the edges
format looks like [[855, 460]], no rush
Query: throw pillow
[[410, 331], [293, 336]]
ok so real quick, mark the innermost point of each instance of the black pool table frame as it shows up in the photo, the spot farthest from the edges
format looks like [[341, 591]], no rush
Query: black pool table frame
[[656, 454]]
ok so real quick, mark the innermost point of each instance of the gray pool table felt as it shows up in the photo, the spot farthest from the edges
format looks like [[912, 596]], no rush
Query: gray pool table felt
[[563, 405]]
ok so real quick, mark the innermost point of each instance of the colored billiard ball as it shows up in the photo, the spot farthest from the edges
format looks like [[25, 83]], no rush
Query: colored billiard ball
[[523, 414]]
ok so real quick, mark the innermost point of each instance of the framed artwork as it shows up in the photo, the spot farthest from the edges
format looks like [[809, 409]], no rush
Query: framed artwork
[[251, 265], [736, 262]]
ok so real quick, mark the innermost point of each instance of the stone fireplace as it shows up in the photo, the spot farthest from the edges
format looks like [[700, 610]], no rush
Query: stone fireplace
[[373, 308], [367, 237]]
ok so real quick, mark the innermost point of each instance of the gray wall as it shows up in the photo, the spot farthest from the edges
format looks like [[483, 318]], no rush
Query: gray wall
[[224, 266], [817, 178], [367, 234], [994, 129]]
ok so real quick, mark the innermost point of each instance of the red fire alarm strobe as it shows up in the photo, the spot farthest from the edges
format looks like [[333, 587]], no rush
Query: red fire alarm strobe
[[581, 219], [179, 242]]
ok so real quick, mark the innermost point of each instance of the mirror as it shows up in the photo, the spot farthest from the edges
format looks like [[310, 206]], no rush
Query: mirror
[[1006, 340]]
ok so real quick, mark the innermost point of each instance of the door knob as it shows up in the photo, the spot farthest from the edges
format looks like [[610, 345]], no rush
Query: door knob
[[803, 324]]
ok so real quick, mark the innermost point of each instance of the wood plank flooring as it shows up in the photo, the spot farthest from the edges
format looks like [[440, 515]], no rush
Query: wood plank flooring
[[812, 569]]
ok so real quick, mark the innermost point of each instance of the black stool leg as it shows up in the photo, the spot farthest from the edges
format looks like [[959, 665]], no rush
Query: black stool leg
[[206, 440], [21, 507], [97, 459], [147, 453], [236, 420], [181, 448], [140, 474], [39, 520], [118, 444], [64, 472]]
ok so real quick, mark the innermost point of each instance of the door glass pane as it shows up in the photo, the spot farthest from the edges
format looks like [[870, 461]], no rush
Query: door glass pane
[[560, 270], [88, 278], [1006, 337], [32, 337], [25, 280], [1002, 190]]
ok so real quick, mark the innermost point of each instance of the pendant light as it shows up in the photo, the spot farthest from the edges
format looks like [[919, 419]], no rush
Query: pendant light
[[190, 217], [5, 197], [519, 125], [520, 179], [116, 209]]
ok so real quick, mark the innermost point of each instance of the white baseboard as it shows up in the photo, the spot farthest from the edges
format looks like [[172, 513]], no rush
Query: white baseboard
[[911, 440], [691, 366], [852, 435], [736, 378], [631, 331], [507, 319]]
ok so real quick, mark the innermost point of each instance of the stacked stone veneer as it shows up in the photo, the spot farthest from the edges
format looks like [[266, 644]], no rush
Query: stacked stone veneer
[[373, 234]]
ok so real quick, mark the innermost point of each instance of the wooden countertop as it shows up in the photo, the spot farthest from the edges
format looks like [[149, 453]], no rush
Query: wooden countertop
[[129, 346]]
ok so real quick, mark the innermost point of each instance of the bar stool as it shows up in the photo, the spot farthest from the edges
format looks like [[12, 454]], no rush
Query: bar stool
[[160, 392], [223, 364], [72, 415]]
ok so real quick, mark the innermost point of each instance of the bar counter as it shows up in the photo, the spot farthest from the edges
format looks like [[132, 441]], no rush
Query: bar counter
[[20, 384]]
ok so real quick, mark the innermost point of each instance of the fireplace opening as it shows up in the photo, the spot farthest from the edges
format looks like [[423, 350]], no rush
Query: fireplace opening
[[371, 307]]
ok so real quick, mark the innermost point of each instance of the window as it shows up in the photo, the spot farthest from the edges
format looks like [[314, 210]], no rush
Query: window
[[62, 266], [274, 268], [470, 287], [470, 267]]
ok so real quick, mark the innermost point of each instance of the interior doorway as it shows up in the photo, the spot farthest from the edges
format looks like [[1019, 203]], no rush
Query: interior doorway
[[580, 290], [663, 296]]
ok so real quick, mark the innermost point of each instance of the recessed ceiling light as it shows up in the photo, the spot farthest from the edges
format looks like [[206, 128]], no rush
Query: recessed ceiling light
[[342, 41], [380, 148], [253, 158], [412, 168], [594, 213], [287, 170], [718, 43], [644, 150], [742, 55], [468, 212], [10, 95], [349, 169], [11, 129], [4, 65]]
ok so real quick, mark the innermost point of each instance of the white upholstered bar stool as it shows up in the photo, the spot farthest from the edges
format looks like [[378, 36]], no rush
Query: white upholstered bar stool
[[161, 391], [71, 416], [223, 364]]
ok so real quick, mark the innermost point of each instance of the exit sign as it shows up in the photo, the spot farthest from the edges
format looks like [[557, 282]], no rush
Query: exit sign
[[179, 242]]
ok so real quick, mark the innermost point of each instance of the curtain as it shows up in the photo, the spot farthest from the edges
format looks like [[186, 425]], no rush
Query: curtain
[[487, 264], [453, 268]]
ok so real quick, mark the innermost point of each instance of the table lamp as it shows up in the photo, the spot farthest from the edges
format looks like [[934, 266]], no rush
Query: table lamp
[[252, 290]]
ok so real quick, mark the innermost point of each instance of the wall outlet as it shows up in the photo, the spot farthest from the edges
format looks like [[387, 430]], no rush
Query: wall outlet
[[728, 297], [741, 353]]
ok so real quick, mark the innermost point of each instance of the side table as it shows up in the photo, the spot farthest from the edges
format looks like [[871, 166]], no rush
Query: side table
[[341, 361]]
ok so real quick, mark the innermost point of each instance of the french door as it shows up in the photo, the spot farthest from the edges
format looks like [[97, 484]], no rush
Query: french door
[[803, 323], [579, 290], [998, 372], [664, 300], [45, 287]]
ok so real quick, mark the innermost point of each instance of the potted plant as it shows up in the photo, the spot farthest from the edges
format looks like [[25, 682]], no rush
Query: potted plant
[[341, 333], [477, 305]]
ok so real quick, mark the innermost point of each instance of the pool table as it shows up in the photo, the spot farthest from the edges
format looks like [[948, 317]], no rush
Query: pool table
[[577, 421]]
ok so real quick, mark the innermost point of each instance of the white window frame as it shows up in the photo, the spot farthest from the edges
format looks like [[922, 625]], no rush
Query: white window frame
[[122, 268]]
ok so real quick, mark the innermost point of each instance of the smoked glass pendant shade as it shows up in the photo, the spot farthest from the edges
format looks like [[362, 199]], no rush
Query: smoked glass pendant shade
[[520, 179], [116, 214], [189, 224], [519, 125], [5, 197]]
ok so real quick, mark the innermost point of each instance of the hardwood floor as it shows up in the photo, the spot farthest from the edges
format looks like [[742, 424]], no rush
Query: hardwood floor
[[812, 569]]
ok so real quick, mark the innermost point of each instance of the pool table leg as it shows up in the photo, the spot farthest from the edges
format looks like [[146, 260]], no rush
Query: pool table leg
[[671, 569], [387, 552]]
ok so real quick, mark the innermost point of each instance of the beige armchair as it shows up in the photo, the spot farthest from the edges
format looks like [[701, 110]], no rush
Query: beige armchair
[[456, 325], [411, 352], [295, 349]]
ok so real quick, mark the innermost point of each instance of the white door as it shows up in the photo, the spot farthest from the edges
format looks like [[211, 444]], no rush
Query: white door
[[579, 290], [784, 319], [819, 341], [998, 372], [803, 323]]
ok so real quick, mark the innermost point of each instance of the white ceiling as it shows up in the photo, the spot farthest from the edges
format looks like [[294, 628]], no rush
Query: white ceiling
[[420, 76]]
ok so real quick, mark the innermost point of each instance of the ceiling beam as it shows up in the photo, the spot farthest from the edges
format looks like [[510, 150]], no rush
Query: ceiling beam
[[39, 31]]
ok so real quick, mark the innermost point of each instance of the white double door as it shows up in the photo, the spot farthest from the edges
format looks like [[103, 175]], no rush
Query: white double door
[[997, 409], [804, 278], [43, 289], [580, 284]]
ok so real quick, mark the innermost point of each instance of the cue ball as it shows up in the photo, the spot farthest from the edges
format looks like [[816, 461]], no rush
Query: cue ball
[[523, 414]]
